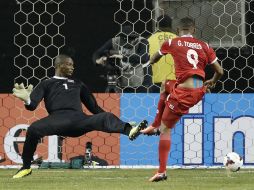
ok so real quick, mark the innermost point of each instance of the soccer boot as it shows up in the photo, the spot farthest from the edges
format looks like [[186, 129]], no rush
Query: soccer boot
[[149, 131], [158, 177], [135, 131], [22, 173], [155, 132]]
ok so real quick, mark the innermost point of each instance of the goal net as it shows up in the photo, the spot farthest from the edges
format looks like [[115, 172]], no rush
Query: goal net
[[222, 122]]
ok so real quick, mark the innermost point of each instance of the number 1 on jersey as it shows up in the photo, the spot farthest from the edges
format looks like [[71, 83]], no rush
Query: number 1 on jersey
[[65, 86], [192, 57]]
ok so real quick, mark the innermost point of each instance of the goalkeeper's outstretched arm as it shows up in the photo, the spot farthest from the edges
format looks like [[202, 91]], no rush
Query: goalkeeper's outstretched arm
[[89, 100], [30, 97], [22, 93]]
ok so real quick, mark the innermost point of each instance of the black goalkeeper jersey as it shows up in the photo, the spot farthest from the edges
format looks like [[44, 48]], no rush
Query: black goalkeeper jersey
[[63, 94]]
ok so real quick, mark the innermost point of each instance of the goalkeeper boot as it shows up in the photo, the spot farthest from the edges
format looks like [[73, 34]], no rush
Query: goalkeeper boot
[[135, 131], [158, 177], [23, 172]]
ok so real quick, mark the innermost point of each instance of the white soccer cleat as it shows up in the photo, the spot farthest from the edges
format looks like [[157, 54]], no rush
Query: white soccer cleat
[[158, 177]]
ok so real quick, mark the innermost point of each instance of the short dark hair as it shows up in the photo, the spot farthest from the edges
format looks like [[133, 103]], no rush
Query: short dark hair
[[164, 21], [186, 23], [60, 59]]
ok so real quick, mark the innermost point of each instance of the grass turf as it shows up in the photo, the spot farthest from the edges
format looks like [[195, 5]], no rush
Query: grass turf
[[131, 179]]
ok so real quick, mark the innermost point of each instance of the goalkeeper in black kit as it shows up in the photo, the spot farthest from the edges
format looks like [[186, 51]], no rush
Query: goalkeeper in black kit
[[63, 96]]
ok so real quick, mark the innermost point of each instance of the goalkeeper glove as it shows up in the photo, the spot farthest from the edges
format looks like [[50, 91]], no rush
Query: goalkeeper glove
[[22, 93]]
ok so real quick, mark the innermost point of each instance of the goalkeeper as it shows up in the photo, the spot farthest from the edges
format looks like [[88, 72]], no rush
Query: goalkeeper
[[63, 97]]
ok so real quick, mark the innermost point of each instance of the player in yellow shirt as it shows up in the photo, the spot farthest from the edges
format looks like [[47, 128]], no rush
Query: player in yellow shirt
[[164, 68]]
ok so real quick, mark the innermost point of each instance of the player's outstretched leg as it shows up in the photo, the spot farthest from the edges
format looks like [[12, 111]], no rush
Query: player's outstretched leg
[[135, 131], [158, 177], [33, 135], [149, 131], [22, 173]]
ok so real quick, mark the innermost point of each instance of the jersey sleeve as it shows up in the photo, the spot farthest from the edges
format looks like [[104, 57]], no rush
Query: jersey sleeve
[[89, 100], [36, 96], [165, 48], [212, 58]]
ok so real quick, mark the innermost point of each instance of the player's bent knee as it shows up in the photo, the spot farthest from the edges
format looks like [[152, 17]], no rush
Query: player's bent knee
[[167, 124], [33, 132]]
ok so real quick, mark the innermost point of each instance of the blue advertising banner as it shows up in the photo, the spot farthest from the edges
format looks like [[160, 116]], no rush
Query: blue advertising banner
[[221, 123]]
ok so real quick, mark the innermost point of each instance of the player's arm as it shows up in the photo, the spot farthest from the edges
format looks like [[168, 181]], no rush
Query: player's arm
[[100, 55], [36, 96], [155, 58], [89, 100], [163, 51], [30, 97], [218, 73], [218, 70]]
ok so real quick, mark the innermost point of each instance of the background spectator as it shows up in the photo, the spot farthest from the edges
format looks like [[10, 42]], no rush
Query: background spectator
[[125, 57], [164, 69]]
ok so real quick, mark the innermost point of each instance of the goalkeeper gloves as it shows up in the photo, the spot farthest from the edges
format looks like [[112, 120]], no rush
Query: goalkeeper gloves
[[22, 93]]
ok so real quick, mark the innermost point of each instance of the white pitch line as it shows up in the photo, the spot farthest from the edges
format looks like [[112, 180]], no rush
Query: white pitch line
[[51, 171], [109, 178]]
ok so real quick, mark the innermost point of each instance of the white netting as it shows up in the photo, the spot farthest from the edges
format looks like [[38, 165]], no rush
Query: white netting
[[222, 122], [218, 124], [39, 39]]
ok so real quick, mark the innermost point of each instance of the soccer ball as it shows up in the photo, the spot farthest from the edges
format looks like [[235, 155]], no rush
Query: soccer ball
[[233, 162]]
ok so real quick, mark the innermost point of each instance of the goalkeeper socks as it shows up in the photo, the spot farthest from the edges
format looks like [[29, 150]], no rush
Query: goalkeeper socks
[[164, 148], [160, 109], [26, 164]]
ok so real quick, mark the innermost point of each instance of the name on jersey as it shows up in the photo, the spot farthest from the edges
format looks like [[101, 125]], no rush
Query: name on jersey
[[189, 44]]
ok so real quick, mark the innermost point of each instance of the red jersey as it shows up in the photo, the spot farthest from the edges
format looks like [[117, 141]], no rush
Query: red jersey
[[190, 56]]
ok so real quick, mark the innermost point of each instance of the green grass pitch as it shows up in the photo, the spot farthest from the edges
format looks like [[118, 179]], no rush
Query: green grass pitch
[[128, 179]]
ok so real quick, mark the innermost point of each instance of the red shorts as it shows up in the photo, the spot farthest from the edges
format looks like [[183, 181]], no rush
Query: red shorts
[[179, 101]]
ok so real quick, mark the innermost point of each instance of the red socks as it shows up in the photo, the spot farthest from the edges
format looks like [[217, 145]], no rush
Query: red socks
[[165, 139], [160, 109], [164, 148]]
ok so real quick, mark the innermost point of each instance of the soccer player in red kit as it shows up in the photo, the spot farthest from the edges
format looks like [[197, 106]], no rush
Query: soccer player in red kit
[[191, 56]]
